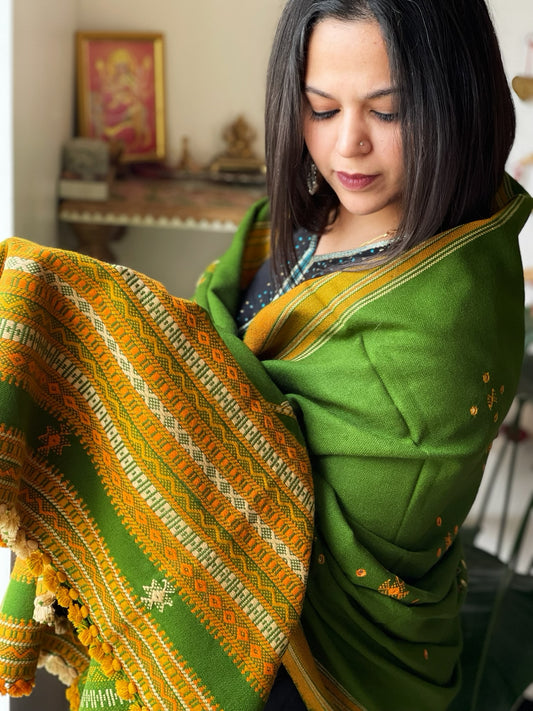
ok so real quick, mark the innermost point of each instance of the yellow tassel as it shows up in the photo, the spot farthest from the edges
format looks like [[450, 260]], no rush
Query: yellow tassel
[[20, 687], [107, 665], [35, 563], [96, 651], [125, 689], [51, 579], [73, 696], [63, 597], [85, 636], [75, 614]]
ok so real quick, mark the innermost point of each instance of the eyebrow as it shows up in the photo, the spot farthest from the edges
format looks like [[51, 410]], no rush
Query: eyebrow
[[373, 94]]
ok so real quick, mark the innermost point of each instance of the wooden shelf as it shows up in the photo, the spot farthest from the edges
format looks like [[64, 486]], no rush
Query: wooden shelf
[[171, 204]]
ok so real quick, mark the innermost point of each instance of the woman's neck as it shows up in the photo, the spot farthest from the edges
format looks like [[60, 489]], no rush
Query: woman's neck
[[350, 232]]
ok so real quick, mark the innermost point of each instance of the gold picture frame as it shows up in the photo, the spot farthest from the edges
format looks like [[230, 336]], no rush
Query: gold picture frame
[[120, 91]]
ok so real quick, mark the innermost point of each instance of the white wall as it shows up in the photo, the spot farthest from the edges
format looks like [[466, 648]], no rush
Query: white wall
[[513, 28], [6, 120], [216, 57], [6, 193], [216, 54], [43, 84]]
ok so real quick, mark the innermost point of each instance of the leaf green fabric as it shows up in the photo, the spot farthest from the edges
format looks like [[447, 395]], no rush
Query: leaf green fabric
[[401, 377], [159, 502]]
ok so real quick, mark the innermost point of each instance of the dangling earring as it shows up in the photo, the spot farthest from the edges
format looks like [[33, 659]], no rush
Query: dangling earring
[[312, 179]]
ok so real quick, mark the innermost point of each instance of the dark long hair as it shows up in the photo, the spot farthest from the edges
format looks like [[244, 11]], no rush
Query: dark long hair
[[455, 110]]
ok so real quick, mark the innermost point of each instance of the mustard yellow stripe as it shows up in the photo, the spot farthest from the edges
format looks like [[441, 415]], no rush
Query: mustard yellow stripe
[[255, 252], [404, 270], [299, 322], [318, 690]]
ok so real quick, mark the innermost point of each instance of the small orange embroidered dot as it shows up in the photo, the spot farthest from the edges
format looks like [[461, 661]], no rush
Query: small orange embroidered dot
[[200, 586], [439, 552], [486, 377], [242, 634], [474, 410], [502, 389], [426, 654], [215, 601], [439, 521], [229, 617], [255, 651], [496, 417], [361, 573], [321, 559], [186, 569]]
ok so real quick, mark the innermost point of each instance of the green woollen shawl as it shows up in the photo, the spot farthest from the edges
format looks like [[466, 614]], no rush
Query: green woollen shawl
[[401, 377], [154, 482]]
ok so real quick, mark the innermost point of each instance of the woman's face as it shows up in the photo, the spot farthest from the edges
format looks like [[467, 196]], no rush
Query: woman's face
[[350, 120]]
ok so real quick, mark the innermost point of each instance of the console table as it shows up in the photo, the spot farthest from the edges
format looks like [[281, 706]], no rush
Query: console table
[[169, 203]]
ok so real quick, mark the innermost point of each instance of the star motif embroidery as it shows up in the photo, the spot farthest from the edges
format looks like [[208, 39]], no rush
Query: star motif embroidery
[[158, 595], [54, 440], [394, 588]]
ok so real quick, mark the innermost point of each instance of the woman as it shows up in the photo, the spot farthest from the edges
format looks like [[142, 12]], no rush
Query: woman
[[453, 157], [378, 139], [153, 478]]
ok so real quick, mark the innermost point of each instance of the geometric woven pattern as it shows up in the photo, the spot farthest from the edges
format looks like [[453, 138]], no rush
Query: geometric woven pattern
[[161, 506]]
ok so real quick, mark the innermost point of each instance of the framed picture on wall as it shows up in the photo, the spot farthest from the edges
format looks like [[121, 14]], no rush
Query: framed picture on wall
[[120, 91]]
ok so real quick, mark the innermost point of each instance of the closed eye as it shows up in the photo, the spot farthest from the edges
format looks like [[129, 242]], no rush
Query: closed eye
[[388, 118], [322, 115]]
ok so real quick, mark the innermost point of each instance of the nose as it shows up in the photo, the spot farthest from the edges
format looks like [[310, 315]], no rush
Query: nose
[[352, 137]]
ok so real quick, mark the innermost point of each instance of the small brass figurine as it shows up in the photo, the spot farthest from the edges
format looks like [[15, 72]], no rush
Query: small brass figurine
[[239, 156], [186, 163]]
